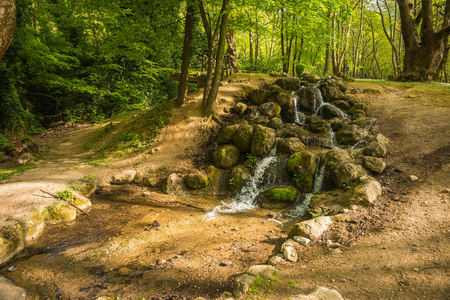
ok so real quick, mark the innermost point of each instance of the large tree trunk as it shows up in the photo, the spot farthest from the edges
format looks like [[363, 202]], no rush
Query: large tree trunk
[[184, 76], [231, 50], [7, 24], [423, 54]]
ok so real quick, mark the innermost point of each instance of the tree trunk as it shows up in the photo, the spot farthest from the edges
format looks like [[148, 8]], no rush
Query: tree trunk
[[8, 18], [423, 54], [184, 76], [326, 69], [231, 50]]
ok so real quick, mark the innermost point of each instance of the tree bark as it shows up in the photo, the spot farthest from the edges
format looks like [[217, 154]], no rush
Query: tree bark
[[8, 17], [184, 76]]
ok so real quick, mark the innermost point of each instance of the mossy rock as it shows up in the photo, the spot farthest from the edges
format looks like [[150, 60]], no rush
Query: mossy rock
[[12, 239], [374, 164], [87, 187], [337, 123], [349, 134], [367, 192], [298, 132], [376, 148], [290, 145], [33, 225], [348, 174], [284, 99], [243, 138], [342, 104], [239, 109], [270, 109], [151, 180], [288, 84], [172, 185], [226, 156], [196, 181], [218, 179], [275, 123], [280, 197], [80, 201], [262, 141], [227, 134], [260, 96], [302, 167], [62, 212], [239, 176]]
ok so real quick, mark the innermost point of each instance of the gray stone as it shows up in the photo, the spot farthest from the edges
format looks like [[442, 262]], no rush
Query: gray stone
[[123, 177], [275, 260], [301, 240], [265, 271], [10, 291], [349, 134], [311, 229], [260, 96], [374, 164], [309, 99], [347, 174], [242, 283], [270, 109], [290, 254], [172, 185], [319, 293], [377, 147], [367, 192], [12, 239]]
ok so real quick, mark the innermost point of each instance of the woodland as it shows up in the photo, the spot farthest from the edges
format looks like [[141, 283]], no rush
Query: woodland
[[85, 60]]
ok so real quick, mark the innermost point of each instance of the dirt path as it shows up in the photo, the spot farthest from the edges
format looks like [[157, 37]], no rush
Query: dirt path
[[187, 256]]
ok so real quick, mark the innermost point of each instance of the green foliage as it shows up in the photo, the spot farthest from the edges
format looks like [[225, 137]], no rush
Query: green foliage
[[65, 194], [299, 69], [319, 211], [251, 161], [47, 209]]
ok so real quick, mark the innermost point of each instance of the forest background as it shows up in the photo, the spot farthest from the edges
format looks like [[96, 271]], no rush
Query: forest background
[[90, 60]]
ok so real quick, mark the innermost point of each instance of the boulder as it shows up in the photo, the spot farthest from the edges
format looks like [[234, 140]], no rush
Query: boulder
[[309, 99], [347, 174], [290, 254], [25, 158], [270, 109], [62, 212], [33, 224], [342, 104], [339, 83], [284, 99], [226, 156], [296, 131], [302, 166], [349, 134], [123, 177], [218, 181], [260, 96], [288, 84], [377, 147], [290, 145], [243, 138], [316, 124], [242, 283], [239, 109], [150, 180], [265, 271], [331, 93], [311, 229], [10, 291], [336, 123], [239, 176], [275, 123], [310, 77], [12, 239], [80, 201], [196, 181], [275, 260], [227, 134], [367, 193], [330, 111], [262, 141], [319, 293], [279, 197], [374, 164], [172, 185]]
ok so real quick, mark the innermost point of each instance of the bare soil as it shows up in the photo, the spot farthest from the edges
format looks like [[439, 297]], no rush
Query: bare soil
[[397, 250]]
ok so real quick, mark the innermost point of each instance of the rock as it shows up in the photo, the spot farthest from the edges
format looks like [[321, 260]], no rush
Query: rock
[[227, 134], [239, 109], [330, 111], [284, 99], [10, 291], [349, 134], [172, 185], [319, 293], [309, 99], [374, 164], [62, 212], [239, 176], [413, 178], [347, 174], [342, 104], [336, 123], [377, 147], [33, 224], [275, 260], [87, 187], [196, 181], [290, 145], [275, 123], [226, 156], [290, 254], [301, 240], [302, 167], [311, 229], [242, 283], [367, 193], [280, 197], [218, 181], [25, 158], [262, 141], [80, 201], [12, 239], [150, 180], [288, 84], [310, 77], [260, 96], [298, 132], [123, 177], [124, 271], [331, 93], [265, 271], [316, 124], [270, 109], [243, 138]]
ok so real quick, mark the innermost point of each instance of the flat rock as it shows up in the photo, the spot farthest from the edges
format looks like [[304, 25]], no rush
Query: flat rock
[[10, 291], [319, 293], [123, 177], [265, 271]]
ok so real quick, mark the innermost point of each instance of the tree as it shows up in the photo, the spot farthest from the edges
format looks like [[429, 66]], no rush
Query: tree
[[7, 25], [424, 52]]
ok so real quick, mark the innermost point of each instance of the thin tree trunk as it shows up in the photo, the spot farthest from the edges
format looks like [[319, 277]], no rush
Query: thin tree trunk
[[8, 18]]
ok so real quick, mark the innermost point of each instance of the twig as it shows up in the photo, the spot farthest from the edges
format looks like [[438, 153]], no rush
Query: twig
[[61, 198]]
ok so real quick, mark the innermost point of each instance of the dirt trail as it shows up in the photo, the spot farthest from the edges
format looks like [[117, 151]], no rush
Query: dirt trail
[[406, 258]]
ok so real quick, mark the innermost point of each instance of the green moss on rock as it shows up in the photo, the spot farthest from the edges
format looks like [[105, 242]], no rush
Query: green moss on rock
[[302, 167]]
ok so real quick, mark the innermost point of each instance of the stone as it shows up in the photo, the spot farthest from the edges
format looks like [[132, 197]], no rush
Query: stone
[[367, 193], [33, 224], [279, 197], [242, 283], [336, 123], [124, 271], [123, 177], [288, 84], [275, 260], [62, 212], [349, 134], [347, 174], [319, 293], [298, 132], [342, 104], [311, 229], [290, 254], [377, 146], [290, 145], [413, 178], [150, 180], [243, 138], [240, 109], [10, 291], [330, 111], [12, 239], [196, 181], [309, 99], [310, 77], [227, 134], [25, 158], [265, 271], [270, 109], [331, 93], [284, 99], [301, 240], [260, 96], [226, 156], [172, 185], [302, 167], [80, 201], [239, 176], [263, 140], [275, 123], [374, 164], [87, 187], [218, 181]]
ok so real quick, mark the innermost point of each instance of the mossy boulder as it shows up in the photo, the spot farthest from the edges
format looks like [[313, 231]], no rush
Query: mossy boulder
[[374, 164], [310, 77], [243, 138], [12, 239], [218, 181], [196, 181], [270, 109], [172, 185], [150, 180], [349, 134], [367, 192], [280, 197], [348, 174], [296, 131], [377, 147], [309, 99], [239, 109], [227, 134], [336, 123], [263, 140], [331, 93], [80, 201], [33, 224], [275, 123], [226, 156], [342, 104], [288, 84], [302, 167], [260, 96], [284, 99], [239, 176], [290, 145], [62, 212], [330, 111], [317, 125]]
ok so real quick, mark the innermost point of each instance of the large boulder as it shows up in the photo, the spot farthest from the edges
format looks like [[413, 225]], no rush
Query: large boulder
[[242, 284], [284, 99], [342, 104], [260, 96], [227, 134], [349, 134], [239, 176], [330, 111], [218, 181], [310, 77], [309, 99], [262, 141], [367, 193], [374, 164], [288, 84], [296, 131], [311, 229], [377, 147], [172, 185], [12, 240], [348, 174], [226, 156], [302, 166], [270, 109], [243, 138], [290, 145], [196, 180], [264, 271], [280, 197], [331, 93], [123, 177], [62, 212]]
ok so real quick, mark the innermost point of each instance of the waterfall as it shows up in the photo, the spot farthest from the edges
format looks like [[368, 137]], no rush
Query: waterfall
[[333, 141]]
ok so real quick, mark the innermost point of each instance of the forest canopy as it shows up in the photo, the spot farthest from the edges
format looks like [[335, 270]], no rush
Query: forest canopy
[[89, 60]]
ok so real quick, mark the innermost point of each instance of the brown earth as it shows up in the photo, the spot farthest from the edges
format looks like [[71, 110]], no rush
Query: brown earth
[[398, 250]]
